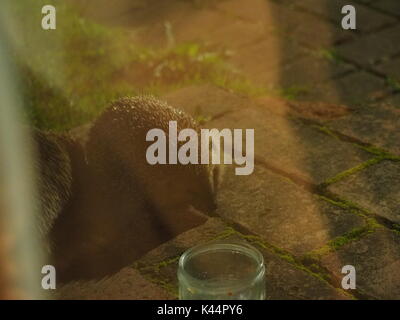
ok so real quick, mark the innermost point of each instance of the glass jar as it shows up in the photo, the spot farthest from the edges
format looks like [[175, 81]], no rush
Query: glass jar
[[222, 271]]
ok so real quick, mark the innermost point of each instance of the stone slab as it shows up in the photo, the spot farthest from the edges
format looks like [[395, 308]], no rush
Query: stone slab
[[354, 89], [367, 19], [291, 146], [389, 6], [306, 28], [372, 48], [127, 284], [261, 61], [390, 68], [376, 188], [377, 124], [393, 100], [282, 213], [317, 111], [310, 70], [376, 259]]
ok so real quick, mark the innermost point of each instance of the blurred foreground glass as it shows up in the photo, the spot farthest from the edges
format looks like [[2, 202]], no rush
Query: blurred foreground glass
[[222, 271]]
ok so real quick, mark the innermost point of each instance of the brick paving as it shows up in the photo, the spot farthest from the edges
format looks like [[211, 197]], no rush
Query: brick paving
[[325, 191]]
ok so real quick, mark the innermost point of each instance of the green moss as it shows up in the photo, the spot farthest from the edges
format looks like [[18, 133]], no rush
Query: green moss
[[337, 203], [224, 234], [350, 236], [293, 92], [182, 64], [201, 119], [171, 288], [167, 262], [368, 148], [351, 171], [394, 83], [325, 130], [337, 243], [240, 85], [329, 54], [385, 155], [345, 204]]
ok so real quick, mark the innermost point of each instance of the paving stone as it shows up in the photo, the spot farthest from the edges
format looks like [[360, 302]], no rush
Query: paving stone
[[367, 19], [320, 111], [237, 33], [376, 188], [389, 6], [205, 101], [127, 284], [292, 146], [306, 28], [301, 26], [377, 124], [250, 10], [376, 259], [283, 280], [104, 13], [217, 29], [354, 89], [393, 100], [180, 19], [369, 49], [174, 248], [262, 61], [308, 71], [390, 68], [283, 213]]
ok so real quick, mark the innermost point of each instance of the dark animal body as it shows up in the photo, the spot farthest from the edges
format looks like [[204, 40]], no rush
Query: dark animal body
[[103, 205]]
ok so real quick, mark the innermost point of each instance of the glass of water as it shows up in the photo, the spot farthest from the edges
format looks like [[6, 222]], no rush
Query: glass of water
[[222, 271]]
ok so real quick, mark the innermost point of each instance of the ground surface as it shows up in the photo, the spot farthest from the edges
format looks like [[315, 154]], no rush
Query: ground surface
[[325, 106]]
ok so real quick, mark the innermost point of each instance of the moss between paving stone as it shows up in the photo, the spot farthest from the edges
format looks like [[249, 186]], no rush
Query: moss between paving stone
[[329, 54], [345, 204], [325, 130], [337, 243], [152, 274], [315, 271], [293, 92], [369, 148], [353, 207], [372, 219], [393, 83], [171, 289], [352, 171]]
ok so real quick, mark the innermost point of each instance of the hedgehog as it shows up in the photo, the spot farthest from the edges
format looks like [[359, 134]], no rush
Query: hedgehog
[[118, 142], [110, 206], [54, 178]]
